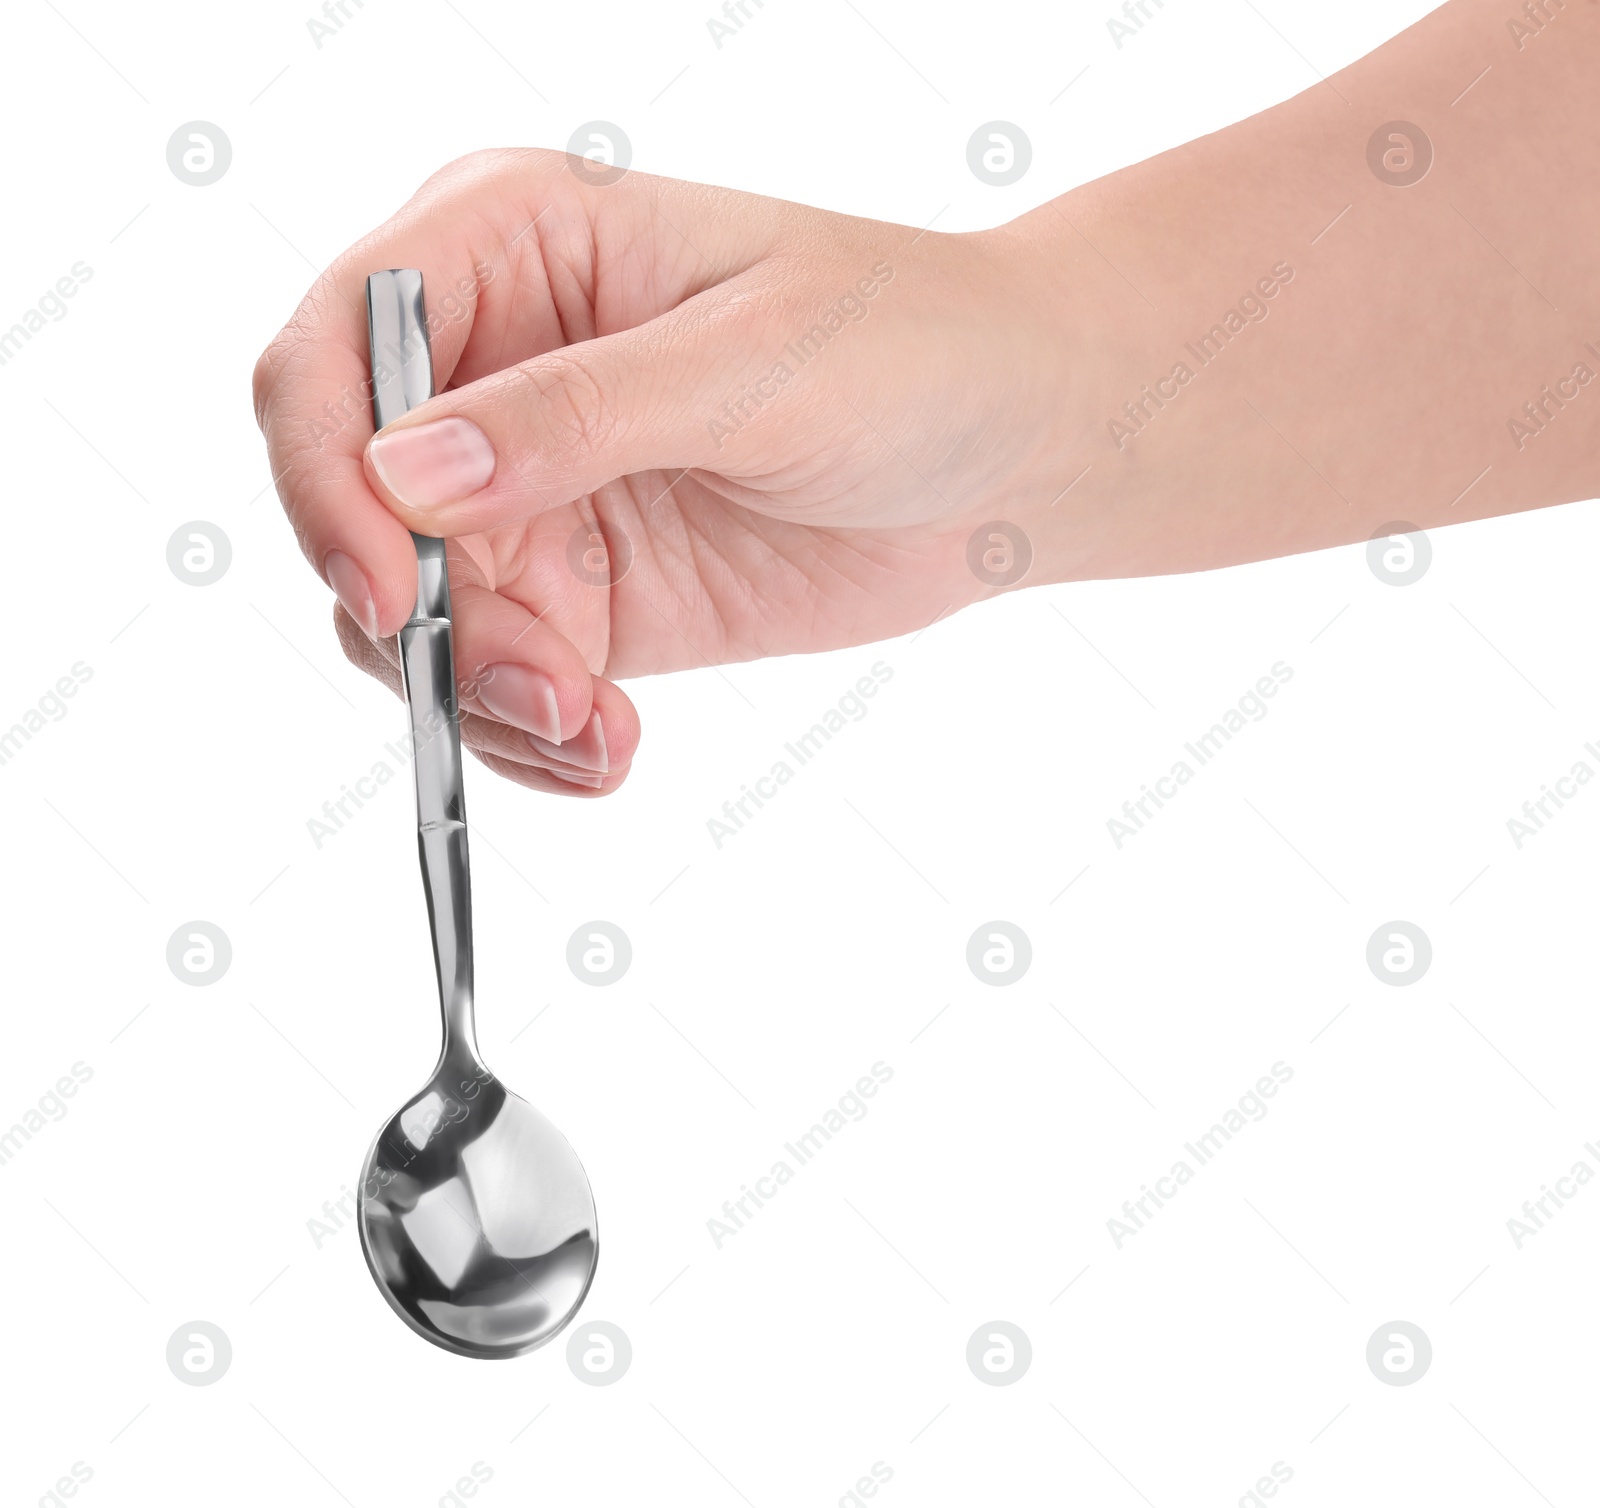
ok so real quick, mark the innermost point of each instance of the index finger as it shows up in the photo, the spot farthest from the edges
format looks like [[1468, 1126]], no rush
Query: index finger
[[313, 390]]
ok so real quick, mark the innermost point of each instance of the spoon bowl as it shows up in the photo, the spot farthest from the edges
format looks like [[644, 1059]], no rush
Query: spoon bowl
[[476, 1217]]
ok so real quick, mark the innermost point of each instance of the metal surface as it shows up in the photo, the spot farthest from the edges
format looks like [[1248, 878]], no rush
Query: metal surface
[[475, 1215]]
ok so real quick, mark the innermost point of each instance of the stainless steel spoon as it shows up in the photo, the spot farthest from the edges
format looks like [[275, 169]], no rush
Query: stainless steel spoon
[[476, 1215]]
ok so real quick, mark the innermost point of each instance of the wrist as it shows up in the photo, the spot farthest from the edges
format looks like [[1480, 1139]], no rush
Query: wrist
[[1075, 342]]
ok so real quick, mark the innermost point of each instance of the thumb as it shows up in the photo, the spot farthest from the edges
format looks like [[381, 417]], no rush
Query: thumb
[[552, 429]]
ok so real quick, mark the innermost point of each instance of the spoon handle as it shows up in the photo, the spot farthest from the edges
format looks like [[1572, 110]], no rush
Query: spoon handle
[[402, 377]]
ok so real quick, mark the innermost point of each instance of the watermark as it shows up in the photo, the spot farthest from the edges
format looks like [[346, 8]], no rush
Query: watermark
[[479, 1476], [1537, 1213], [1536, 811], [999, 953], [51, 707], [868, 1486], [1138, 812], [355, 404], [335, 1215], [334, 1211], [50, 306], [736, 13], [338, 811], [999, 153], [418, 1122], [1252, 308], [67, 1487], [51, 1106], [851, 1106], [599, 1353], [1399, 953], [1542, 410], [199, 1353], [1399, 554], [739, 811], [999, 554], [1538, 14], [1399, 153], [199, 553], [599, 559], [199, 953], [1135, 13], [999, 1353], [850, 308], [336, 14], [599, 953], [199, 153], [1399, 1353], [599, 152], [1268, 1486], [1251, 1106]]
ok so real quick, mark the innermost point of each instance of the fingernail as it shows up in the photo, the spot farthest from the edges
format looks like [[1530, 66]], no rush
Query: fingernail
[[522, 697], [349, 583], [587, 749], [429, 465], [592, 782]]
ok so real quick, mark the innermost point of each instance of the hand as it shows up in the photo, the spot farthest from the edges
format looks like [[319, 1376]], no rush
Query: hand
[[676, 426], [680, 426]]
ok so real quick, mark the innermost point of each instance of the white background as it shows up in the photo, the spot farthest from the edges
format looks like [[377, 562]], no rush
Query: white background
[[828, 935]]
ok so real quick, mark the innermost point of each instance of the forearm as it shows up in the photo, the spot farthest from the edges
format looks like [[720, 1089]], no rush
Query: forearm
[[1264, 346]]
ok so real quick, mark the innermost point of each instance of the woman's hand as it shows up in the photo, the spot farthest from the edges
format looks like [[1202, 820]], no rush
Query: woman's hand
[[681, 425], [676, 426]]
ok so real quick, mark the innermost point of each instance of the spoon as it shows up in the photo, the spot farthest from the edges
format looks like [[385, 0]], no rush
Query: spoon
[[476, 1216]]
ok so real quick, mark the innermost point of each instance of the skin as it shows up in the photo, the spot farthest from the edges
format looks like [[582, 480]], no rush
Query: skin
[[619, 346]]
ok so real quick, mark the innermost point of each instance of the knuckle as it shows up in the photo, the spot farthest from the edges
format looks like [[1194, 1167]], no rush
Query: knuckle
[[361, 652], [264, 379], [576, 413], [267, 378], [348, 634], [298, 341], [468, 167], [475, 168]]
